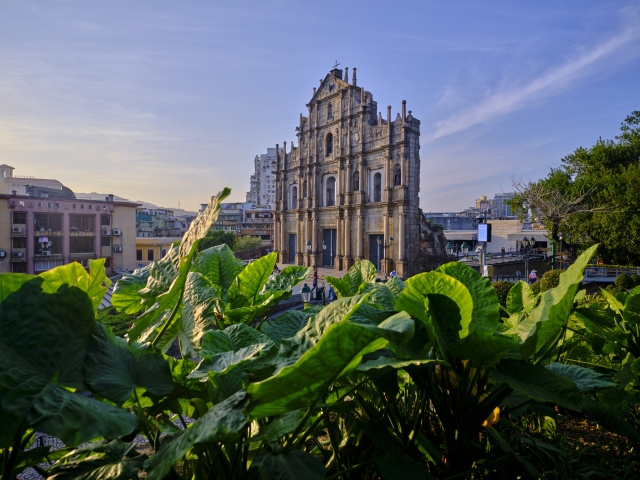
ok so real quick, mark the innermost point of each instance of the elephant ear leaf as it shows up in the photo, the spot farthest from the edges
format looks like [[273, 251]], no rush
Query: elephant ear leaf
[[114, 368], [247, 286], [520, 297], [340, 286], [293, 464], [287, 278], [203, 222], [125, 297], [59, 330], [218, 265], [556, 305], [360, 272]]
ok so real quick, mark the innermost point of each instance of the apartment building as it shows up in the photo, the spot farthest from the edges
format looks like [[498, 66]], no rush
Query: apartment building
[[257, 222], [262, 187], [151, 222]]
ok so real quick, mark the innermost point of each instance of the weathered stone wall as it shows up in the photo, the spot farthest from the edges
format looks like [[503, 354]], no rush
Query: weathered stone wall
[[432, 252]]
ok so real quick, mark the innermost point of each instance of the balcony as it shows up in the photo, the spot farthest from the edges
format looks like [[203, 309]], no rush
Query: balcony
[[47, 233], [77, 255], [53, 256], [74, 232]]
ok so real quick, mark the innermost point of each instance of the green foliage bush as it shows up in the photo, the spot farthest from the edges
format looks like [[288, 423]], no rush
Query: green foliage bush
[[636, 280], [217, 237], [246, 242], [550, 280], [614, 289], [535, 286], [419, 377], [624, 281]]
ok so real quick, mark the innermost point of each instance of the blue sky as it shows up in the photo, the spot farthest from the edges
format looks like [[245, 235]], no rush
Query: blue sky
[[170, 101]]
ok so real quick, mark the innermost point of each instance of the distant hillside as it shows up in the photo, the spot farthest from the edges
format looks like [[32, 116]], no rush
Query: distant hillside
[[100, 196]]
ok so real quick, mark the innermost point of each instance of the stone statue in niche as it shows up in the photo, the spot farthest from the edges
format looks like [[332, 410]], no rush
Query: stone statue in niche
[[396, 176], [320, 142], [337, 137]]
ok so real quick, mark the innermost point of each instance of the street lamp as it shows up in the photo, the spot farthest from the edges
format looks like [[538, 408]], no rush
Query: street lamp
[[305, 293], [308, 246], [561, 238], [379, 241]]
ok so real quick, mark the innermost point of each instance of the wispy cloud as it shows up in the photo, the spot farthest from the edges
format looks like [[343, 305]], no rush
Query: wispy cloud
[[511, 98]]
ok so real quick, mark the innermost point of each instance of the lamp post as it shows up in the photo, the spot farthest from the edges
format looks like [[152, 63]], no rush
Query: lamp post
[[386, 245], [561, 238], [379, 242], [526, 243], [324, 248], [305, 293]]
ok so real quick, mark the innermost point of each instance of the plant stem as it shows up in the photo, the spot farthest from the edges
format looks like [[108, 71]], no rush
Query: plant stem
[[8, 466], [166, 325]]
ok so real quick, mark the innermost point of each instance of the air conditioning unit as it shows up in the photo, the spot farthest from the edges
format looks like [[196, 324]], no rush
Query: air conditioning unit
[[16, 229], [73, 229], [46, 253], [117, 248], [117, 231], [17, 254], [106, 231]]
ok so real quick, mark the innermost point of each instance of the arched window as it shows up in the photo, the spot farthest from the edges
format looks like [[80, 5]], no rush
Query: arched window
[[377, 187], [304, 189], [329, 112], [356, 182], [331, 192], [396, 175], [294, 197], [329, 144]]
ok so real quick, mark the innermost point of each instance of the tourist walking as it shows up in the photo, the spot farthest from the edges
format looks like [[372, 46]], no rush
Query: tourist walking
[[315, 278], [533, 276]]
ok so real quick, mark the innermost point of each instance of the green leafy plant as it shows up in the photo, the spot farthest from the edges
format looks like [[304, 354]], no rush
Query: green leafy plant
[[550, 280], [624, 282]]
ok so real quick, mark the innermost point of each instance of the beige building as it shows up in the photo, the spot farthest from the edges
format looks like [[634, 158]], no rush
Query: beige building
[[149, 249], [352, 183], [46, 227]]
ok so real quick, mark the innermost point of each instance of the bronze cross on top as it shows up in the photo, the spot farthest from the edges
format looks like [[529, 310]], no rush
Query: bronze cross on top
[[336, 65]]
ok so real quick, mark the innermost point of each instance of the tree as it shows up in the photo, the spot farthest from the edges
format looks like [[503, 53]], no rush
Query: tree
[[594, 195], [247, 242], [217, 237]]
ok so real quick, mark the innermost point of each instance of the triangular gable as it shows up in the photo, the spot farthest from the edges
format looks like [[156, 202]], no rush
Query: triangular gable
[[326, 84]]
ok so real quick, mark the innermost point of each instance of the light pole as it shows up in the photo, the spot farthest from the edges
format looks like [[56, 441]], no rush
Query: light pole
[[379, 241], [324, 248], [561, 238], [308, 245]]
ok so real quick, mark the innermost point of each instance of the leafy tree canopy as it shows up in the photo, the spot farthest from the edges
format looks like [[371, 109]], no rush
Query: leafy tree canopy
[[594, 196], [217, 237]]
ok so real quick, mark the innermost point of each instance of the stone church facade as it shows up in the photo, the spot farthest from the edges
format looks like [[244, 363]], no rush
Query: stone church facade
[[349, 190]]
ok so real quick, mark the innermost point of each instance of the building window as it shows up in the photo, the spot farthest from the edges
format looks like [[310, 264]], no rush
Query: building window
[[329, 144], [356, 182], [150, 255], [73, 205], [105, 241], [90, 207], [377, 187], [304, 189], [331, 192], [39, 204], [48, 222], [44, 265], [19, 218], [139, 255], [105, 220], [163, 253], [57, 205], [294, 197], [396, 175], [81, 207], [48, 204], [107, 262], [19, 242], [82, 223], [329, 112], [82, 245]]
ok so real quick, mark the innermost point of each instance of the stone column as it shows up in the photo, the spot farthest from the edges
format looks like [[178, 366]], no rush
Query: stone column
[[385, 220], [359, 237], [338, 262], [347, 239], [314, 240], [299, 251], [306, 239], [401, 234], [283, 240], [276, 235]]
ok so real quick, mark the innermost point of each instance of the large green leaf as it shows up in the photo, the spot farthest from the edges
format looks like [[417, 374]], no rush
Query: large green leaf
[[247, 286], [285, 325], [584, 378], [279, 426], [222, 423], [287, 278], [610, 418], [290, 465], [538, 383], [203, 223], [232, 338], [486, 306], [115, 368], [412, 299], [520, 297], [401, 467], [381, 297], [40, 356], [338, 352], [218, 265], [360, 272], [125, 297], [113, 465], [552, 313], [482, 349], [632, 306], [340, 286], [162, 275], [95, 283], [201, 301]]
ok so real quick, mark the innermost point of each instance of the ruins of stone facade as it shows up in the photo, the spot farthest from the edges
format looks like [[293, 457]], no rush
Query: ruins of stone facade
[[349, 190]]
